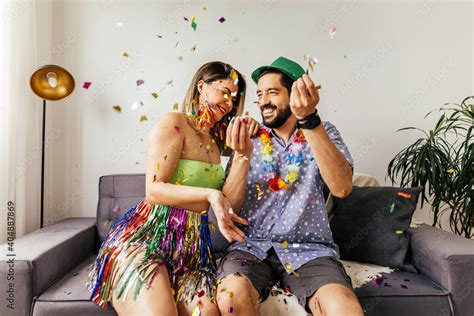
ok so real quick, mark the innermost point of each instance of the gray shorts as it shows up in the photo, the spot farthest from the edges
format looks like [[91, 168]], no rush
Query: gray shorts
[[264, 274]]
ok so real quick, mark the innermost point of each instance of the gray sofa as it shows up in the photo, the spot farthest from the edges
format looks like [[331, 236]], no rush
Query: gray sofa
[[50, 266]]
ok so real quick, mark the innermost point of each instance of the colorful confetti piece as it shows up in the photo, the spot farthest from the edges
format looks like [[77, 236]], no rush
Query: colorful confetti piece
[[222, 20], [284, 244], [86, 85], [154, 95], [196, 311], [193, 23], [116, 209], [392, 208], [117, 108], [157, 166], [451, 170], [178, 129], [312, 61], [193, 48], [332, 32], [378, 281], [399, 232], [405, 195], [175, 106], [180, 58], [143, 118], [140, 82], [259, 191]]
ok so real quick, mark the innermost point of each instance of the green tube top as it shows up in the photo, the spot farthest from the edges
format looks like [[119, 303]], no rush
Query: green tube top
[[198, 174]]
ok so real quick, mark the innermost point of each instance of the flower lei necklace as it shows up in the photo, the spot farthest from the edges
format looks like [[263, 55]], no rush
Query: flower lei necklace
[[275, 182]]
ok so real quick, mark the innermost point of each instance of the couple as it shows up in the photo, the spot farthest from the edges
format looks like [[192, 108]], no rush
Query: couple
[[157, 258]]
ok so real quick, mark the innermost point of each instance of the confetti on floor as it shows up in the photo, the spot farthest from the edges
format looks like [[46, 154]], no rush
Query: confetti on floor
[[86, 84]]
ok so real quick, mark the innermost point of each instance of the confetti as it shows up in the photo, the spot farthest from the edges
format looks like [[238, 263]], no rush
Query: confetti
[[311, 61], [154, 95], [405, 195], [125, 54], [222, 20], [157, 167], [86, 85], [143, 118], [332, 32], [117, 108], [193, 23], [289, 267], [193, 48], [200, 293], [378, 281], [451, 170], [116, 209], [196, 311], [136, 104], [185, 18], [140, 82], [180, 58], [159, 36], [392, 208], [178, 129], [399, 232], [234, 76], [204, 8], [175, 106], [284, 244], [345, 56], [259, 191]]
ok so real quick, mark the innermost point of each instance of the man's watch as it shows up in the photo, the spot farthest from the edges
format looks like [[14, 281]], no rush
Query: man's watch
[[311, 121]]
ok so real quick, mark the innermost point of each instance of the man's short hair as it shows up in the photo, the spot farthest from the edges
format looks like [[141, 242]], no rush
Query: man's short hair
[[285, 80]]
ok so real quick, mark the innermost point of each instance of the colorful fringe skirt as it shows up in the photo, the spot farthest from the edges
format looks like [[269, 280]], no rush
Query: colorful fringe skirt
[[146, 238]]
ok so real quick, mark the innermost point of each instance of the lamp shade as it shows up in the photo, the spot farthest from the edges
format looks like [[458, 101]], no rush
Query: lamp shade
[[52, 82]]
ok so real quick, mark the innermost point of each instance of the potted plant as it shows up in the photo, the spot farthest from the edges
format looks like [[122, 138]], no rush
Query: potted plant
[[443, 162]]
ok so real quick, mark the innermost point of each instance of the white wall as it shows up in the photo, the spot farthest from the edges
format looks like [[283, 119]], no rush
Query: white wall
[[403, 60]]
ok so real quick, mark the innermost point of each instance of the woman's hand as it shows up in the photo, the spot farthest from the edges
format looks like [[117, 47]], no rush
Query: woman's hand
[[238, 137], [226, 217]]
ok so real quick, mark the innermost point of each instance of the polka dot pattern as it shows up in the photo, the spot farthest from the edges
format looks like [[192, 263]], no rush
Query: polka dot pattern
[[294, 222]]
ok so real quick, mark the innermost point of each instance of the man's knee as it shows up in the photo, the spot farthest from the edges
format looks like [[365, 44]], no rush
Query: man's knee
[[236, 292], [342, 301]]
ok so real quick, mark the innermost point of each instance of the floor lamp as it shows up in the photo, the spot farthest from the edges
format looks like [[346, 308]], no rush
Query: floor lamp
[[52, 83]]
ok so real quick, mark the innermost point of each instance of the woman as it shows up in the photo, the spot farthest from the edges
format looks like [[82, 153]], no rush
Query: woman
[[159, 252]]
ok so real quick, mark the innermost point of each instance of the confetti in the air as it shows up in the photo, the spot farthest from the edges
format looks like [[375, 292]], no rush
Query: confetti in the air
[[143, 118], [136, 104], [154, 95], [222, 20], [140, 82], [312, 61], [125, 54], [175, 106], [86, 85], [193, 48], [399, 232], [193, 23], [332, 32], [117, 108], [180, 58]]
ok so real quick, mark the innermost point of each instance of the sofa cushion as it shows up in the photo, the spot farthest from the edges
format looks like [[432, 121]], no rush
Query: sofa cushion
[[370, 225]]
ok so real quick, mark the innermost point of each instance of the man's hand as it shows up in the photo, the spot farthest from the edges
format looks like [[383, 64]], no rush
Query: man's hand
[[304, 97]]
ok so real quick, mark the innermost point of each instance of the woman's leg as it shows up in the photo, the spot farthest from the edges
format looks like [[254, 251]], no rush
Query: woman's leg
[[206, 306], [157, 300]]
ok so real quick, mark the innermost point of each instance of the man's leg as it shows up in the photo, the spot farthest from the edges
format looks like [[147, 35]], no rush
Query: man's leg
[[323, 287], [245, 281]]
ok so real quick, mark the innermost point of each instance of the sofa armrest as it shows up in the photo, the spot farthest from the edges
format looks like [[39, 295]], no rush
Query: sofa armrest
[[31, 263], [448, 260]]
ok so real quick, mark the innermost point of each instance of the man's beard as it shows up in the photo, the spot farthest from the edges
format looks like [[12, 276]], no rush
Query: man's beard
[[280, 119]]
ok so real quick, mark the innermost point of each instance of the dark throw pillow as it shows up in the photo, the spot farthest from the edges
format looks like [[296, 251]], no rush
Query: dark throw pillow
[[371, 225]]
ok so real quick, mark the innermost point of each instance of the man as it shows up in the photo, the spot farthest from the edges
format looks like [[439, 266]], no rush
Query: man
[[288, 239]]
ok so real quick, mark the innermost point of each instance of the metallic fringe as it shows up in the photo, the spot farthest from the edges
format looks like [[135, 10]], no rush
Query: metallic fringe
[[144, 239]]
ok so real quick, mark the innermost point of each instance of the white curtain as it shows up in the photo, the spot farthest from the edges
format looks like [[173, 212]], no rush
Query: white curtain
[[20, 118]]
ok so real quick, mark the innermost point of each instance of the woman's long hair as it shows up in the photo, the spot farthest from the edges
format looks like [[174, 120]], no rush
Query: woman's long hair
[[210, 72]]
